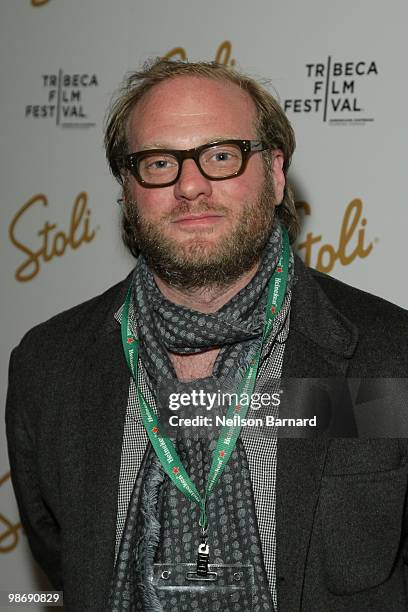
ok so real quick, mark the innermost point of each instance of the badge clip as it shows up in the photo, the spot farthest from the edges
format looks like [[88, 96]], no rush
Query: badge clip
[[203, 557]]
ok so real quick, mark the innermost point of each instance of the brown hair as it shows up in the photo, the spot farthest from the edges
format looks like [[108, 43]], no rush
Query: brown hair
[[272, 126]]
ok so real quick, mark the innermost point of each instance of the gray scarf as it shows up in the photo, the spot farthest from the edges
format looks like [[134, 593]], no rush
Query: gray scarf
[[161, 526], [164, 326]]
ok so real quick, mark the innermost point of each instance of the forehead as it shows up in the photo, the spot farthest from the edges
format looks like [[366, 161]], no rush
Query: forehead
[[188, 111]]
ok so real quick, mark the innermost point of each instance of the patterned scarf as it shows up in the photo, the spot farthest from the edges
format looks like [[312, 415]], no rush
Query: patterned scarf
[[164, 326], [161, 525]]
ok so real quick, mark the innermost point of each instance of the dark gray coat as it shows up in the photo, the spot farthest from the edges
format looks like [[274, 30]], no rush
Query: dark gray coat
[[341, 503]]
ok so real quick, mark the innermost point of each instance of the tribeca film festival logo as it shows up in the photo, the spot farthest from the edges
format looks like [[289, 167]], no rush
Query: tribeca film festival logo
[[334, 92], [63, 99], [50, 241]]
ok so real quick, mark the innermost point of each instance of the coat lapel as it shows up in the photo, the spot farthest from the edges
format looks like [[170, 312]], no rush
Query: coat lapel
[[104, 401], [320, 344]]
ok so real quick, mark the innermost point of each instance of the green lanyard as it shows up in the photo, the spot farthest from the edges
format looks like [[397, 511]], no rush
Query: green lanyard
[[162, 445]]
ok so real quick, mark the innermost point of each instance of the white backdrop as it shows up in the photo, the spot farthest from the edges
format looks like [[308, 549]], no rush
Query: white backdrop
[[339, 70]]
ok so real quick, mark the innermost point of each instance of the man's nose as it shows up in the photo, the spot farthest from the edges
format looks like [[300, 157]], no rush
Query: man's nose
[[191, 184]]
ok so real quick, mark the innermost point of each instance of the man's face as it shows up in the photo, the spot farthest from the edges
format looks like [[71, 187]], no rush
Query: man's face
[[199, 232]]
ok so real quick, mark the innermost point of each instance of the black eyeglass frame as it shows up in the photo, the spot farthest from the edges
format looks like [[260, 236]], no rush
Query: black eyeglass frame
[[247, 147]]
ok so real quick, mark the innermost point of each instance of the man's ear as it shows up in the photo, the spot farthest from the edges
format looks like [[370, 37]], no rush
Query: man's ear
[[278, 174]]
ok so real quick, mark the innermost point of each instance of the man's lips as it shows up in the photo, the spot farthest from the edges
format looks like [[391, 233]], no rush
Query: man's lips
[[207, 218]]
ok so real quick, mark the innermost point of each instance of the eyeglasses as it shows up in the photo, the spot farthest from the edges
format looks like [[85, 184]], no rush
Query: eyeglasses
[[216, 161]]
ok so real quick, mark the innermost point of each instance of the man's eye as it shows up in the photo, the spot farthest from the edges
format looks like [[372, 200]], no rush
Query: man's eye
[[157, 164], [225, 156], [154, 164], [222, 156]]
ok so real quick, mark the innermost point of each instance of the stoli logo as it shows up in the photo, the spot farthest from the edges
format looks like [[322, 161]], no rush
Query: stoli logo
[[53, 241], [10, 529], [222, 54], [351, 242]]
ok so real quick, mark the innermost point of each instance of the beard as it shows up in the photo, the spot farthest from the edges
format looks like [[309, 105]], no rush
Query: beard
[[197, 262]]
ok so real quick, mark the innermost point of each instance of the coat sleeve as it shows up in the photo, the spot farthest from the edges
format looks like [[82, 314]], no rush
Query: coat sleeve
[[41, 527]]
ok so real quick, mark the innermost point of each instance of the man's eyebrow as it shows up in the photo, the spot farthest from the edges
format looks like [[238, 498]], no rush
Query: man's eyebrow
[[165, 145], [155, 145]]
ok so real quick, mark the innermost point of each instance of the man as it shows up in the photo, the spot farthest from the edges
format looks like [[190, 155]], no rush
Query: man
[[120, 514]]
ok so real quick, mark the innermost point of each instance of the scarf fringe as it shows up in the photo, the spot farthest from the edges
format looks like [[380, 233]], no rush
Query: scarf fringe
[[150, 538]]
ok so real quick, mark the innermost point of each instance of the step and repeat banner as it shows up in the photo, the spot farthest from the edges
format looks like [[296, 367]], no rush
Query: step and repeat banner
[[338, 69]]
